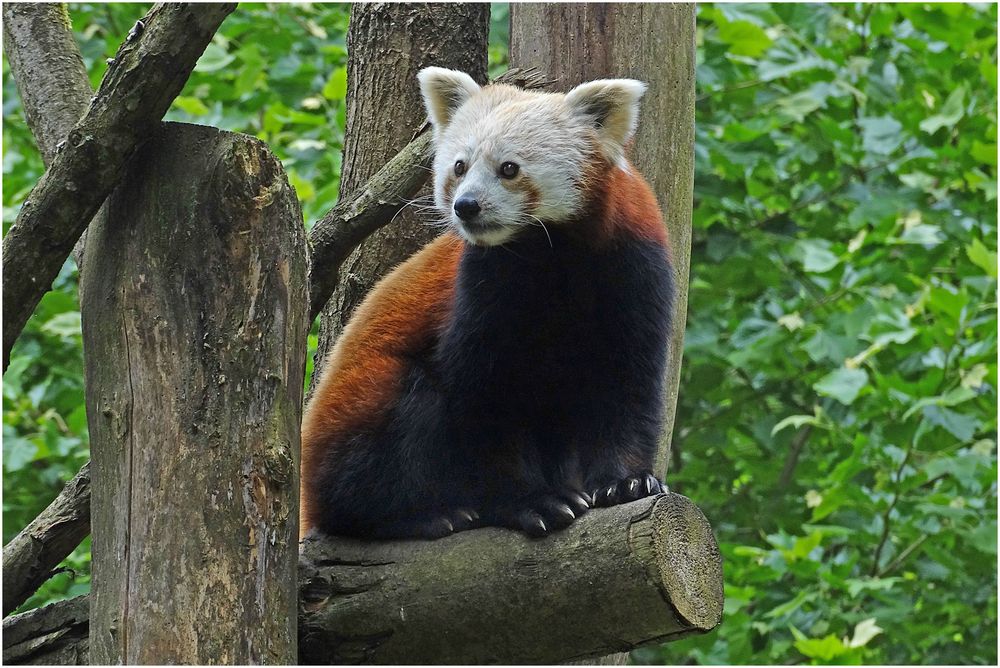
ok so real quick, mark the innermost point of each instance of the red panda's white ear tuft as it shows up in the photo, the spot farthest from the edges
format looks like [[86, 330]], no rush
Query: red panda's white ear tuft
[[444, 91], [612, 106]]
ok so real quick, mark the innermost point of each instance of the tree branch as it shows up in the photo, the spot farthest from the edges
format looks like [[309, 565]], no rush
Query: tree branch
[[617, 579], [54, 635], [148, 71], [48, 70], [375, 204], [50, 76], [28, 559]]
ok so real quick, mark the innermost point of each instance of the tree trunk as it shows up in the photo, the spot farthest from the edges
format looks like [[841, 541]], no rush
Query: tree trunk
[[194, 329], [652, 42], [387, 45]]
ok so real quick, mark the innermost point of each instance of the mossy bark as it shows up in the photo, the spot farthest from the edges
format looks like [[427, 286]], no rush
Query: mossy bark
[[194, 330]]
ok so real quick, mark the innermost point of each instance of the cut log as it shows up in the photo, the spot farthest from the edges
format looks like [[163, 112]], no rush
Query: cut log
[[195, 331], [148, 71], [28, 559], [617, 579], [614, 580]]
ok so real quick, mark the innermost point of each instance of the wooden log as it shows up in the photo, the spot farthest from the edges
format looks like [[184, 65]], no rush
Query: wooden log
[[654, 43], [616, 579], [148, 71], [195, 331], [28, 559]]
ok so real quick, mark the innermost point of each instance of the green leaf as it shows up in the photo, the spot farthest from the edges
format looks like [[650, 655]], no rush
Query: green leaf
[[336, 85], [64, 325], [214, 59], [880, 135], [794, 421], [982, 257], [744, 38], [815, 255], [843, 384], [824, 649], [923, 234], [985, 153], [950, 113], [961, 426], [191, 105]]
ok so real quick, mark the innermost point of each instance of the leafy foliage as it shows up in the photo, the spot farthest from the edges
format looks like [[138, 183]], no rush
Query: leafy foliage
[[837, 419]]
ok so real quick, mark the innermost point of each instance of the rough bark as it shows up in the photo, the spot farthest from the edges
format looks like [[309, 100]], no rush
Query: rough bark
[[54, 635], [617, 579], [387, 45], [376, 203], [195, 332], [28, 559], [148, 71], [652, 42], [48, 69]]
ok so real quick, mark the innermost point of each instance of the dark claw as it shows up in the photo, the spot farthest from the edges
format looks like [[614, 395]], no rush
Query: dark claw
[[533, 524], [438, 527], [652, 485], [580, 503], [463, 519], [558, 514], [632, 487]]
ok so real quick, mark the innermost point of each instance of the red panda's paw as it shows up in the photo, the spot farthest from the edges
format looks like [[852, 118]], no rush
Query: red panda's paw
[[430, 526], [539, 515], [636, 486]]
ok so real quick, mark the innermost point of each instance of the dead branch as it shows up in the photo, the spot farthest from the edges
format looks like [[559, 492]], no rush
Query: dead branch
[[28, 559]]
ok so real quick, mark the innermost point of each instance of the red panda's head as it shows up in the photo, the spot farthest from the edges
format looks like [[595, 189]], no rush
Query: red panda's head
[[507, 159]]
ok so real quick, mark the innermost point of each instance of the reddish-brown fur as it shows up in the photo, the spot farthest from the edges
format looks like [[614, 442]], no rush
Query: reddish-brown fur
[[401, 314]]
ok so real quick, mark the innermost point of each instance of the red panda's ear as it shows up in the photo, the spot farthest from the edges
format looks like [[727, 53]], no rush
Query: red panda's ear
[[444, 91], [612, 107]]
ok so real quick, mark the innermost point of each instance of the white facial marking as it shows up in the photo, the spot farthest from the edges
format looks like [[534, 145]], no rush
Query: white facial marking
[[551, 138]]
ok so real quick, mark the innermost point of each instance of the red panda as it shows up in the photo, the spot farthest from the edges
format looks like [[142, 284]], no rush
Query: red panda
[[511, 372]]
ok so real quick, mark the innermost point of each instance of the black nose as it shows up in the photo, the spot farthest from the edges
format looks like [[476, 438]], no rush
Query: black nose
[[466, 208]]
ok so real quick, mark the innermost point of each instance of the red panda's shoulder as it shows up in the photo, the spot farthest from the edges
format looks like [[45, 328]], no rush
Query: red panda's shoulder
[[624, 204]]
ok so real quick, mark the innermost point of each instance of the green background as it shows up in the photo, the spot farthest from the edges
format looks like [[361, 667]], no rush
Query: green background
[[837, 418]]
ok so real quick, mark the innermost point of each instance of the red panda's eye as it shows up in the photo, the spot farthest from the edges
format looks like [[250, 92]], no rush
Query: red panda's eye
[[459, 168], [508, 170]]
